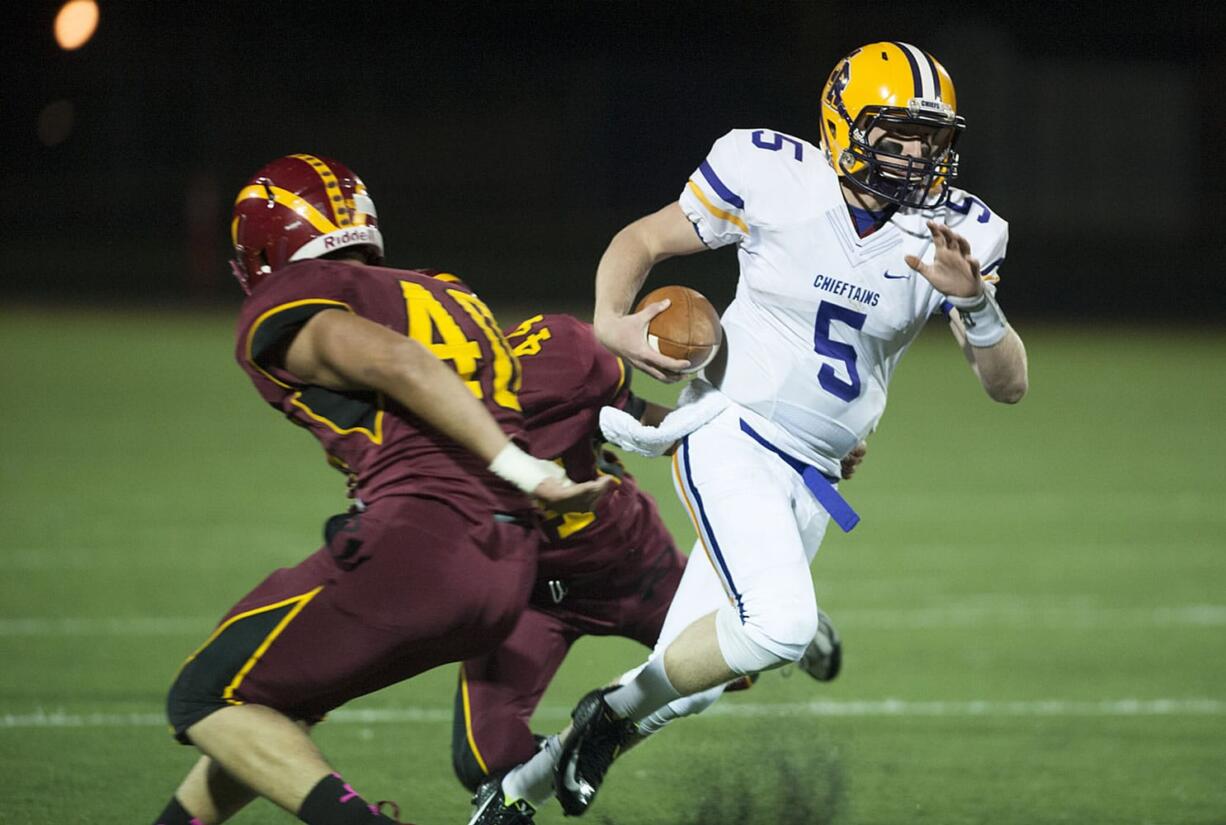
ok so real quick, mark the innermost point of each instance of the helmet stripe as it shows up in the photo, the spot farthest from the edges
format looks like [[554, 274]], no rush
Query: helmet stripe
[[290, 201], [915, 72], [922, 72], [363, 207], [332, 188], [936, 78]]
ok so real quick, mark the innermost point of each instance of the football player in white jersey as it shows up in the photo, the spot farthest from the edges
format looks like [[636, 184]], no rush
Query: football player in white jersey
[[845, 252]]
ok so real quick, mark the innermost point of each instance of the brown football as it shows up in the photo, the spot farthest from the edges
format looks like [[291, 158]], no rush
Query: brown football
[[688, 329]]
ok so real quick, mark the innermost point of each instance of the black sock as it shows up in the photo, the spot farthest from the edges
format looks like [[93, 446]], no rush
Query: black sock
[[332, 802], [175, 815]]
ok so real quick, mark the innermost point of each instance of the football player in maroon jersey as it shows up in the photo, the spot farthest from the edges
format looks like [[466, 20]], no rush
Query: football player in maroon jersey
[[608, 572], [412, 390]]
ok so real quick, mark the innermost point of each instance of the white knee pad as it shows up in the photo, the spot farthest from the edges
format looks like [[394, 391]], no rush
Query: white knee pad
[[765, 640]]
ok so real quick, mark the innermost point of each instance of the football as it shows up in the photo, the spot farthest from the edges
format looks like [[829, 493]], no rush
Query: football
[[688, 329]]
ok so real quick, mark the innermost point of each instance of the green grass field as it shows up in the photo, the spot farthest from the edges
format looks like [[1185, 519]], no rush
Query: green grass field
[[1034, 606]]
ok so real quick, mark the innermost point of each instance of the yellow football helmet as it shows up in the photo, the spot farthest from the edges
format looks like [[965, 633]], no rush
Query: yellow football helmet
[[886, 90]]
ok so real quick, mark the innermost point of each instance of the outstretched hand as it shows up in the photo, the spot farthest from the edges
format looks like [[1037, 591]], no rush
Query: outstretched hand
[[953, 272], [626, 335], [565, 496]]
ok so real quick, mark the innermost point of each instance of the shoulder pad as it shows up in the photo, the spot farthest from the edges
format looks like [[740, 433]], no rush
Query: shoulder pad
[[774, 145], [964, 208], [987, 231]]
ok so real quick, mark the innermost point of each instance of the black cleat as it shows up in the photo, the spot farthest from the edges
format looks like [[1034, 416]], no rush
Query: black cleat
[[491, 808], [596, 738], [823, 657]]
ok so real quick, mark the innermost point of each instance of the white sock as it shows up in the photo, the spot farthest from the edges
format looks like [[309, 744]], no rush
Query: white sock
[[533, 780], [646, 692], [652, 722], [685, 706]]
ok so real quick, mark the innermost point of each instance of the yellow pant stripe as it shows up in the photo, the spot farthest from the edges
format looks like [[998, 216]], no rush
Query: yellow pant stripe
[[299, 602], [468, 722]]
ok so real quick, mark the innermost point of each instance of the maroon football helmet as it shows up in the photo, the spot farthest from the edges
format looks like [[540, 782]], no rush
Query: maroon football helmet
[[299, 207]]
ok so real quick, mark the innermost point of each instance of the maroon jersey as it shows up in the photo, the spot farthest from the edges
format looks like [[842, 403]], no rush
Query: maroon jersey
[[383, 447], [567, 377]]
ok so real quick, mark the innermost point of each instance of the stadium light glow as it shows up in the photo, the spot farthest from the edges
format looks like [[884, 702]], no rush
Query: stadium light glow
[[76, 23]]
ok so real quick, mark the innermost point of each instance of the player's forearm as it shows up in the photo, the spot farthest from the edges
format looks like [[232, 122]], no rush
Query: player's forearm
[[1002, 368], [344, 352], [653, 414], [621, 272], [632, 253], [363, 356], [424, 385]]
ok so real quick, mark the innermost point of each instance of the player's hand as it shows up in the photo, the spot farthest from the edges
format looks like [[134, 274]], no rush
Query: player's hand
[[953, 272], [626, 335], [565, 496], [852, 460]]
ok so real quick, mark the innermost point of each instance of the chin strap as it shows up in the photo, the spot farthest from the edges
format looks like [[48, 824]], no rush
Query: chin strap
[[240, 275]]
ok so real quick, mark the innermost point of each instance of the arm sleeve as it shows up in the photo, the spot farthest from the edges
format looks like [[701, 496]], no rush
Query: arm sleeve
[[713, 196], [284, 308], [278, 327]]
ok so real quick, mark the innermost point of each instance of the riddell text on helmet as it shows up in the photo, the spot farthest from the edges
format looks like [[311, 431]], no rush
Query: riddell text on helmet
[[347, 237]]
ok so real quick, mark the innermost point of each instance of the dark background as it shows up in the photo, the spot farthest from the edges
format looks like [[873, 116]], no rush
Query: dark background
[[509, 141]]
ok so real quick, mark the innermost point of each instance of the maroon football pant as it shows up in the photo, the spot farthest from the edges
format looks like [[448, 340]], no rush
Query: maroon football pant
[[403, 587], [499, 691]]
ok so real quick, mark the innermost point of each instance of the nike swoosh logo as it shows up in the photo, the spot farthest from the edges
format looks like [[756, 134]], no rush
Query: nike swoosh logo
[[897, 277]]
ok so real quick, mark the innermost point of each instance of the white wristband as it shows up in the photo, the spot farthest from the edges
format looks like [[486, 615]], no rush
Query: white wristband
[[522, 470], [982, 318]]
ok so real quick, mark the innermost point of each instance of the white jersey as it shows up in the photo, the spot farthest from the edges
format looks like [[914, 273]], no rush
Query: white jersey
[[821, 316]]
